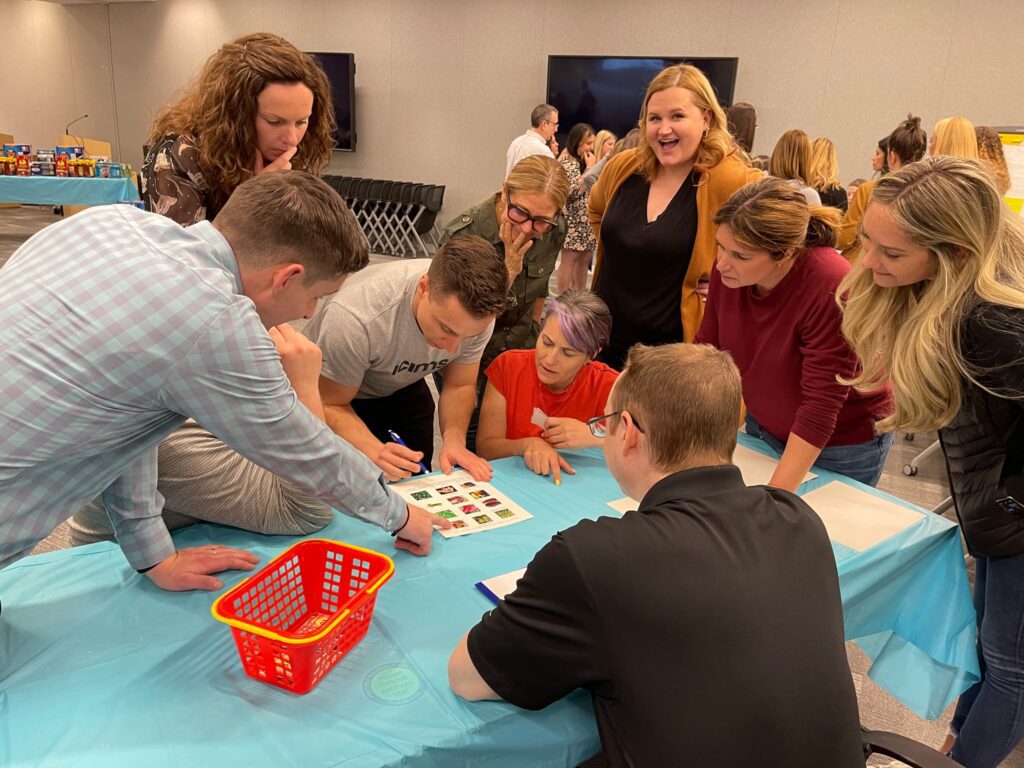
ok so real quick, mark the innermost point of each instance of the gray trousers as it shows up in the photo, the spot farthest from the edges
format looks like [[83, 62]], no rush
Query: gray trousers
[[204, 480]]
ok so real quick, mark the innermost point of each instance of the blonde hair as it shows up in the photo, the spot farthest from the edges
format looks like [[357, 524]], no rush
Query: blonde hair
[[990, 151], [771, 215], [824, 171], [684, 397], [540, 174], [911, 334], [599, 140], [218, 110], [717, 142], [791, 158], [955, 136]]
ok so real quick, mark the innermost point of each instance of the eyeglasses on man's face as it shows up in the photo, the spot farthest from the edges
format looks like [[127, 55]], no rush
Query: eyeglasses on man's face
[[598, 425], [521, 216]]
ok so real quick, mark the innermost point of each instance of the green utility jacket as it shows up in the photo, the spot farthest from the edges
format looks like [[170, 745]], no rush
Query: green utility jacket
[[514, 328]]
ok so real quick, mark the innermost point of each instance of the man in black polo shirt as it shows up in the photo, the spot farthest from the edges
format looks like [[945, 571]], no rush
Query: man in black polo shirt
[[707, 625]]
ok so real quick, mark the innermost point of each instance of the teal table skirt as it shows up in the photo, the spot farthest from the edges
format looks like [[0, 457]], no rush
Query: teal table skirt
[[98, 667], [52, 190]]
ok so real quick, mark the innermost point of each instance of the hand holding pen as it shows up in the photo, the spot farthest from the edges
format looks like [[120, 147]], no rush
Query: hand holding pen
[[398, 460]]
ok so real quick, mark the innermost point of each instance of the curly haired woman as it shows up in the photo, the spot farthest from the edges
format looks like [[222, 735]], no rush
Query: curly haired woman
[[259, 104]]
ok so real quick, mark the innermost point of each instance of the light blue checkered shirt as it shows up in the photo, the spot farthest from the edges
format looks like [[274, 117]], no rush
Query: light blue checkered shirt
[[117, 324]]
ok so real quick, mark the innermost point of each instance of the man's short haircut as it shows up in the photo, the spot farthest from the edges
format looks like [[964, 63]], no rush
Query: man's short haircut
[[293, 216], [470, 269], [685, 397], [540, 113]]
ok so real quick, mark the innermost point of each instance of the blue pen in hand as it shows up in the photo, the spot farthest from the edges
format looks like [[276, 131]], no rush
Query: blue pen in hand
[[396, 439]]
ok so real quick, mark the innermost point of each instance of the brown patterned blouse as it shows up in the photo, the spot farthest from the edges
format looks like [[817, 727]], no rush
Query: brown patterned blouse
[[172, 183]]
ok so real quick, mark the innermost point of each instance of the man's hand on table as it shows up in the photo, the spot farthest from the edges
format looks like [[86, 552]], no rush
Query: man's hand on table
[[415, 535], [455, 452], [190, 568]]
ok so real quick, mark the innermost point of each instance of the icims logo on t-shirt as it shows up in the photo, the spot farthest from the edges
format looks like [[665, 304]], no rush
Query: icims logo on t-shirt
[[428, 367]]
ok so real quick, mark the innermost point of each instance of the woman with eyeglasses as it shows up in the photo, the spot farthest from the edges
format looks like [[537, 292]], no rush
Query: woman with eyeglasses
[[524, 223], [771, 306], [651, 211], [935, 304], [539, 401], [258, 105]]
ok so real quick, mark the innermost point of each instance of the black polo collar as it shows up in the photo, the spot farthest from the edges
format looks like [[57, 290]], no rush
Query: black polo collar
[[693, 484]]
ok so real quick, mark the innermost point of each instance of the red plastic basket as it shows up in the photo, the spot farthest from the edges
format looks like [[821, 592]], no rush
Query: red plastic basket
[[297, 616]]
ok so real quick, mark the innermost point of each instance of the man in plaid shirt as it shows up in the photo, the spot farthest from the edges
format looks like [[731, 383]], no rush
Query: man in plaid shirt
[[116, 325]]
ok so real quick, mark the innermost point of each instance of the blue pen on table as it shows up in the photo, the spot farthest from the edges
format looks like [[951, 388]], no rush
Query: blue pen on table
[[396, 439]]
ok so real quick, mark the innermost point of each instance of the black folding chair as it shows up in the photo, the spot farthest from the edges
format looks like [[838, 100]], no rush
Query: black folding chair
[[426, 222], [913, 753]]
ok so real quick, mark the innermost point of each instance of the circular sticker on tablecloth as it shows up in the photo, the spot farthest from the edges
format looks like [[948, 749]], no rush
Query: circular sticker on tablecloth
[[392, 685]]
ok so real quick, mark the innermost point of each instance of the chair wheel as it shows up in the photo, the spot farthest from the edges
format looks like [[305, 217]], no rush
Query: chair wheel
[[909, 470]]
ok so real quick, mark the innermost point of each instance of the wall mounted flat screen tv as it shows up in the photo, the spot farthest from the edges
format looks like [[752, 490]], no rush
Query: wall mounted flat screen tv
[[341, 71], [608, 91]]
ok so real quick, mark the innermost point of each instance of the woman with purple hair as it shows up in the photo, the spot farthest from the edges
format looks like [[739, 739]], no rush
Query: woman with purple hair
[[538, 401]]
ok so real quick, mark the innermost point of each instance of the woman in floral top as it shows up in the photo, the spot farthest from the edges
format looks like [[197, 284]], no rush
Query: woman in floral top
[[577, 158], [259, 104]]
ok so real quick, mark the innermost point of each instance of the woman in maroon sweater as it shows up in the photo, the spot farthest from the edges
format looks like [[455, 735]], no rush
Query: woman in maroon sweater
[[771, 305]]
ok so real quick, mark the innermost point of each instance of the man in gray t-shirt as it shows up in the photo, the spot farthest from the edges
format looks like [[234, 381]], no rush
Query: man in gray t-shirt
[[389, 327]]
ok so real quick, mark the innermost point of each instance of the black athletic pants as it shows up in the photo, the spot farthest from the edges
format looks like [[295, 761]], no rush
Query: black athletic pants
[[409, 412]]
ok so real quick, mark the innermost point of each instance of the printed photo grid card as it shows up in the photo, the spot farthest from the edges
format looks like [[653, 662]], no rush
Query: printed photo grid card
[[471, 506]]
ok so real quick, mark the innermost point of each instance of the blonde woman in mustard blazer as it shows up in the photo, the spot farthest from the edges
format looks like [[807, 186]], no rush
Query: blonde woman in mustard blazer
[[652, 211]]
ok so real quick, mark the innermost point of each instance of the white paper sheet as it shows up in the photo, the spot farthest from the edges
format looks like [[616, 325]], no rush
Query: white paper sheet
[[856, 518], [624, 505], [499, 586], [756, 468], [539, 418], [471, 506]]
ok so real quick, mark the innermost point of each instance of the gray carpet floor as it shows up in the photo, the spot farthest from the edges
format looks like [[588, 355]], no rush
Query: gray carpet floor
[[878, 710]]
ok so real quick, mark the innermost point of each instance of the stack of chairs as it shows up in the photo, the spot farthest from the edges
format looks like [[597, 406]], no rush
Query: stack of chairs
[[398, 218]]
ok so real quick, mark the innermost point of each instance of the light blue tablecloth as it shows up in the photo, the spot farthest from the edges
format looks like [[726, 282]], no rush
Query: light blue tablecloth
[[100, 668], [53, 190]]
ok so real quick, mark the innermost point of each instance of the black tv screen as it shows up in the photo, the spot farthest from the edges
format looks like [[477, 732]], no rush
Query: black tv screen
[[341, 71], [608, 91]]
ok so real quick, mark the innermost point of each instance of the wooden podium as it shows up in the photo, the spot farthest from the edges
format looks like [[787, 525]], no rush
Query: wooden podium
[[7, 138], [92, 147]]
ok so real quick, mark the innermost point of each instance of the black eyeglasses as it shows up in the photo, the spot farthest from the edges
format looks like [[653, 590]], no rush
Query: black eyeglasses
[[521, 216], [598, 425]]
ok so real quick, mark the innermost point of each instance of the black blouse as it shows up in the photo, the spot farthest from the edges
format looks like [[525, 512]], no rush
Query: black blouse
[[641, 277], [835, 197]]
